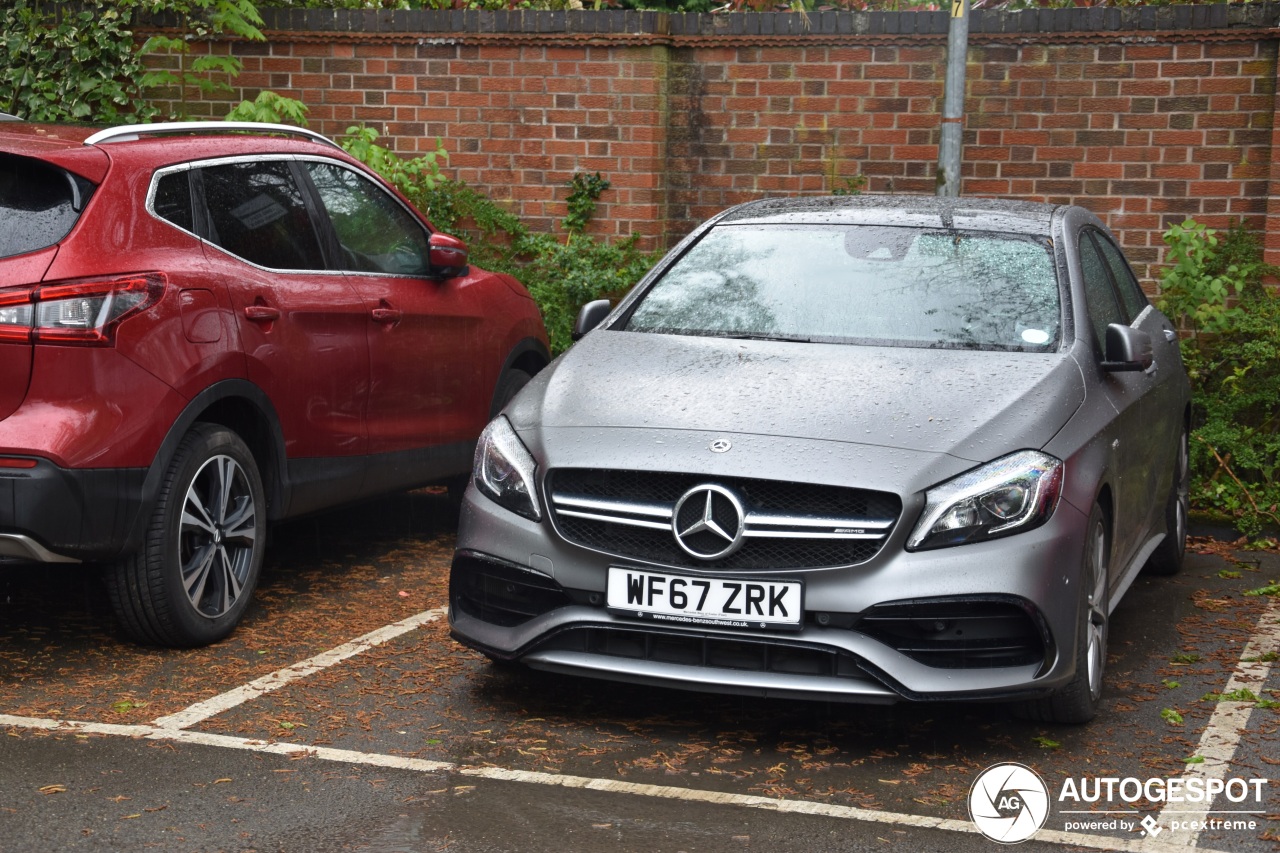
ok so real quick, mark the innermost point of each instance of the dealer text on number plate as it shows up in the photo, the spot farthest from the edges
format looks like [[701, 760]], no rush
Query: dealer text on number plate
[[736, 602]]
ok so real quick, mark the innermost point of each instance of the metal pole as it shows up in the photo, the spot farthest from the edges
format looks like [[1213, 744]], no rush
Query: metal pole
[[951, 141]]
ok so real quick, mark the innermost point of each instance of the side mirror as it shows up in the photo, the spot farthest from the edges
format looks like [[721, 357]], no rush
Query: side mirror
[[1127, 349], [446, 256], [591, 315]]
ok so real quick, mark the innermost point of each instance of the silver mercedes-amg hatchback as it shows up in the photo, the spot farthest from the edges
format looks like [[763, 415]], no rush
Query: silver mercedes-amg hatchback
[[863, 448]]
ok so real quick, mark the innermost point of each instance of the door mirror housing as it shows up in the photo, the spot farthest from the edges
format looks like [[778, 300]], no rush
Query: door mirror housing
[[1127, 349], [446, 256], [591, 315]]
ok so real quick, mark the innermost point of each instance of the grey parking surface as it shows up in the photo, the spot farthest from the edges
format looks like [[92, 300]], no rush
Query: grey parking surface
[[418, 744]]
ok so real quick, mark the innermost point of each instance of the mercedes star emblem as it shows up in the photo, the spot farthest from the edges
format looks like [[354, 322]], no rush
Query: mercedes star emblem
[[721, 445], [709, 522]]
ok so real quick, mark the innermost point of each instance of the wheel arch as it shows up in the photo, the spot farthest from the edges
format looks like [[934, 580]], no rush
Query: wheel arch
[[1105, 500], [529, 355], [242, 407]]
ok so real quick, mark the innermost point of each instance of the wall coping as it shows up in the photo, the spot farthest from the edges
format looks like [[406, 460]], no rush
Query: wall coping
[[1216, 21]]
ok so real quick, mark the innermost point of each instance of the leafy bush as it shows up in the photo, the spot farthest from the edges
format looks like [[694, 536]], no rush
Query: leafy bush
[[81, 61], [70, 64], [561, 276], [411, 177], [1214, 288]]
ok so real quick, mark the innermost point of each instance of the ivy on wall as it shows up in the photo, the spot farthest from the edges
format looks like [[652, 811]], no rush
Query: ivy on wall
[[62, 63], [82, 61]]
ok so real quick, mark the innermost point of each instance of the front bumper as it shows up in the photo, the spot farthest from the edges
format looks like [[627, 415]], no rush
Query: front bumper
[[843, 651]]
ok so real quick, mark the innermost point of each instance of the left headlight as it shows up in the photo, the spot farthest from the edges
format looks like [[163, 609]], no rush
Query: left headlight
[[504, 469], [1010, 495]]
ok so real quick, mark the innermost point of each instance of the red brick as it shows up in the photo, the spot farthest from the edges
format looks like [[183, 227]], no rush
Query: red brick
[[1148, 51], [1109, 125]]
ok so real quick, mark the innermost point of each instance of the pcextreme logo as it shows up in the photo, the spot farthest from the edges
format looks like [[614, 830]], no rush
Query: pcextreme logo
[[1009, 803]]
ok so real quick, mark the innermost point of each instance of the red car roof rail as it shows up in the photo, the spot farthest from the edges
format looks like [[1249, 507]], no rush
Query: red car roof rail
[[131, 132]]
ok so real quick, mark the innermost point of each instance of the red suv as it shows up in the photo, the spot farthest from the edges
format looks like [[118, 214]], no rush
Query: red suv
[[208, 327]]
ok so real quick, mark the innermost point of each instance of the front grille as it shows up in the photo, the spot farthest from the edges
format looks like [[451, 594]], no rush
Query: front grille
[[788, 525], [708, 651], [959, 633]]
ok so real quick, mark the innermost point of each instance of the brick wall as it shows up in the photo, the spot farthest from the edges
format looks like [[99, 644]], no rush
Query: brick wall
[[1145, 115]]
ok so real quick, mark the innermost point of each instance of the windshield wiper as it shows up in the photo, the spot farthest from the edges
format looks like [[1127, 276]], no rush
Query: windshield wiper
[[783, 338]]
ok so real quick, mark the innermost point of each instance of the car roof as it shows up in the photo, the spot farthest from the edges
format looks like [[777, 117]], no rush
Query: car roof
[[87, 150], [918, 211], [59, 144]]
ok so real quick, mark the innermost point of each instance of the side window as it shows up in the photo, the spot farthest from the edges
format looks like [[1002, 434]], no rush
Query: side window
[[1130, 292], [173, 200], [1100, 296], [376, 234], [256, 211]]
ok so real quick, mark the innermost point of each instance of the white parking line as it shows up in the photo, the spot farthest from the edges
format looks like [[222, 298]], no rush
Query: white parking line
[[1221, 737], [1218, 745], [614, 786], [225, 701]]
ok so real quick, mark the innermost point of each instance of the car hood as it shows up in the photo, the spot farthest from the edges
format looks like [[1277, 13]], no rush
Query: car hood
[[973, 405]]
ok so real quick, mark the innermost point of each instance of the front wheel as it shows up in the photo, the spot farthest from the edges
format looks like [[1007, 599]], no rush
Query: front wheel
[[1078, 700], [192, 578]]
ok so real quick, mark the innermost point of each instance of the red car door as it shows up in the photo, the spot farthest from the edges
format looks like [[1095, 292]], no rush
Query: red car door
[[302, 329], [427, 384]]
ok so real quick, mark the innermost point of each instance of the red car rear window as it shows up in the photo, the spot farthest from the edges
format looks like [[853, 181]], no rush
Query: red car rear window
[[39, 204]]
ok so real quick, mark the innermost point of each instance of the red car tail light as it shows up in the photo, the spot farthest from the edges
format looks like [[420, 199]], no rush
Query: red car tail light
[[83, 312], [15, 315]]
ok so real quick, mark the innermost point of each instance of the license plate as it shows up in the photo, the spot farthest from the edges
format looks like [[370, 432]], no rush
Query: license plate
[[731, 602]]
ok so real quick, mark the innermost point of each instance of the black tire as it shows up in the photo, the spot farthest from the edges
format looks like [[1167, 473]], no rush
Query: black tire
[[1078, 700], [1167, 558], [192, 578], [509, 384]]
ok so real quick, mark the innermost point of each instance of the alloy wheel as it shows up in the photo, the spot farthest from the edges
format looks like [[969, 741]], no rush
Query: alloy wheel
[[1096, 612], [218, 530]]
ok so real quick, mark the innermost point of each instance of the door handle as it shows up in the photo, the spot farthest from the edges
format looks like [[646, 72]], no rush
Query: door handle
[[261, 313], [386, 315], [1170, 335]]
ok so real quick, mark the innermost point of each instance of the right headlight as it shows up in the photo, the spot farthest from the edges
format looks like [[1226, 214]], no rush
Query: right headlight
[[1010, 495], [504, 469]]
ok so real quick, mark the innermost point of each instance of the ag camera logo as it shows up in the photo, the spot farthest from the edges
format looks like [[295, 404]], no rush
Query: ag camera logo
[[1009, 803]]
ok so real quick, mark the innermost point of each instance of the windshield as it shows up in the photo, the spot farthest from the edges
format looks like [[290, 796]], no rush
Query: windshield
[[858, 284]]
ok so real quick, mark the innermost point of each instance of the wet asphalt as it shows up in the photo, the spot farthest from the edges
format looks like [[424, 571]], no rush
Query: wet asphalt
[[458, 724]]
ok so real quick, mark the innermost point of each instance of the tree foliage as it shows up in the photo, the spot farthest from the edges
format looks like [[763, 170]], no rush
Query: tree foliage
[[199, 19], [270, 108]]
